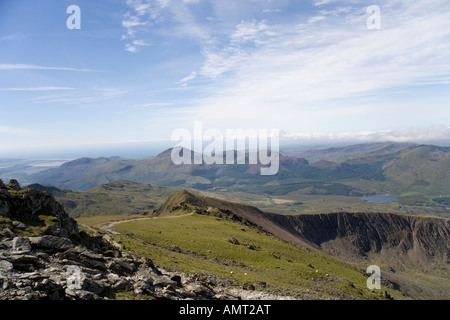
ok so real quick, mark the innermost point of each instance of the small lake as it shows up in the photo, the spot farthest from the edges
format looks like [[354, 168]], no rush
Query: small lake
[[379, 198]]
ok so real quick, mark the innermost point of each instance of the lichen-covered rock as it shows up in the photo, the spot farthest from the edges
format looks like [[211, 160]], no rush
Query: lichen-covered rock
[[14, 184], [51, 242], [28, 203], [21, 244], [5, 266]]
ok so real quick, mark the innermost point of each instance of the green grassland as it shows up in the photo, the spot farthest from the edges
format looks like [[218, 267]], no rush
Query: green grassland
[[416, 282], [113, 198], [131, 198], [299, 202], [206, 244]]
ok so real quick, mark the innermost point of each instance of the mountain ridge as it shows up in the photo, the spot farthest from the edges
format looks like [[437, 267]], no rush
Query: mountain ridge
[[373, 231], [85, 173], [397, 242]]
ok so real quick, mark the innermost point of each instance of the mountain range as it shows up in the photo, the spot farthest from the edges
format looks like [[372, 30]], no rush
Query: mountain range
[[401, 167], [417, 175]]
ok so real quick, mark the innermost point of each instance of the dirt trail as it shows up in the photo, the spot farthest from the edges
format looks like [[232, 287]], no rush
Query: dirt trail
[[108, 227]]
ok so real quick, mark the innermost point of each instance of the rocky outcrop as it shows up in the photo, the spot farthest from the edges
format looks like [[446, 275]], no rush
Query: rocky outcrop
[[42, 268], [28, 204]]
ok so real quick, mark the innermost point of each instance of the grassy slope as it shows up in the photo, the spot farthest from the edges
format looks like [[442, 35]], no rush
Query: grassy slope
[[433, 285], [358, 151], [197, 234], [198, 243], [416, 282], [425, 170], [136, 198]]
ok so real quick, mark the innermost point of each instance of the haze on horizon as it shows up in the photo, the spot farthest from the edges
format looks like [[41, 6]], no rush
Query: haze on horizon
[[137, 70]]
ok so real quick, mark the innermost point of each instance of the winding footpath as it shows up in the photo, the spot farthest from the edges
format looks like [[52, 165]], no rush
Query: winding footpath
[[107, 228]]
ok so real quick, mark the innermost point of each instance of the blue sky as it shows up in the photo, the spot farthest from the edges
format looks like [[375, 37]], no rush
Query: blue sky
[[138, 70]]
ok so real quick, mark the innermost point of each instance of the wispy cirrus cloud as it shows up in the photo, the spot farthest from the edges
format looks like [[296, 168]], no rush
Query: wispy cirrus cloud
[[321, 72], [37, 89], [307, 74], [21, 131], [81, 96], [141, 15], [135, 44], [183, 82], [15, 36], [171, 18], [21, 66]]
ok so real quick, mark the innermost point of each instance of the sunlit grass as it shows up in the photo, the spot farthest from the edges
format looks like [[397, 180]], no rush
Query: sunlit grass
[[198, 243]]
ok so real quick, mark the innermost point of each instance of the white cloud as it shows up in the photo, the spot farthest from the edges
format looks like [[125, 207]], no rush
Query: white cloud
[[428, 134], [319, 3], [15, 36], [132, 22], [109, 92], [87, 96], [138, 19], [36, 67], [37, 89], [131, 48], [152, 104], [322, 71], [146, 14], [316, 19], [419, 135], [140, 43], [255, 31], [190, 77], [271, 10], [135, 44], [301, 76], [322, 2]]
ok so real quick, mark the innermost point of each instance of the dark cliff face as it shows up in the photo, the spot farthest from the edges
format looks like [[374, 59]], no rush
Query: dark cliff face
[[351, 236], [29, 203]]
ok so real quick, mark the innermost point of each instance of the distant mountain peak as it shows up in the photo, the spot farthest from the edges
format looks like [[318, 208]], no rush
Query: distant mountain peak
[[85, 162]]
